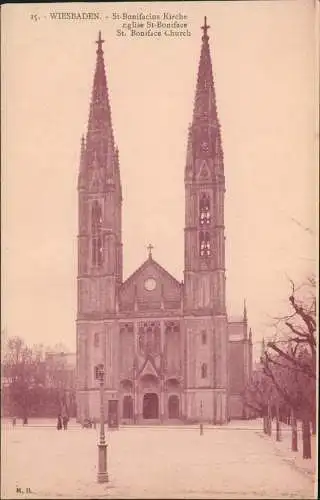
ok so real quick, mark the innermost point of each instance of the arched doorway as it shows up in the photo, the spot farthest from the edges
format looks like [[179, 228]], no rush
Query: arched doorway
[[127, 407], [173, 406], [150, 405]]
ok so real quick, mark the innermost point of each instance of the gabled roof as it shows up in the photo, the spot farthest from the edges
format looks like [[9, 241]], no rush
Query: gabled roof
[[149, 261], [149, 367]]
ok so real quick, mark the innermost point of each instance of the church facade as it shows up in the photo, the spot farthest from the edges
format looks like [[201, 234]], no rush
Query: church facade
[[169, 350]]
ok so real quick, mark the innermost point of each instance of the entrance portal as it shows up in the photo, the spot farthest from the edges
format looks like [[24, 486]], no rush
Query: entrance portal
[[150, 405], [173, 406], [127, 408]]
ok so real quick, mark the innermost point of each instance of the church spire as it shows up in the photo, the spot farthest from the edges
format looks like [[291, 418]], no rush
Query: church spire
[[245, 315], [205, 141], [204, 196], [99, 133], [205, 109]]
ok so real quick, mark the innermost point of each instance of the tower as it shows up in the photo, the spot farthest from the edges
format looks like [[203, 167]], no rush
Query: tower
[[99, 233], [204, 269]]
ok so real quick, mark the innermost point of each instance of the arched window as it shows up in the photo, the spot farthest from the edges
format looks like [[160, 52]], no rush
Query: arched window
[[203, 337], [97, 251], [96, 340], [96, 217], [205, 244], [204, 210], [204, 370], [96, 227]]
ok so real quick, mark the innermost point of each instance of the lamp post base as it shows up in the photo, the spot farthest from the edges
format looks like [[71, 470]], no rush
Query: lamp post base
[[102, 476]]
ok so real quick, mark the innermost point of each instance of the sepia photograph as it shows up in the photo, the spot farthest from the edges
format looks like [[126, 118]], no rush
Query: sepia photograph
[[159, 271]]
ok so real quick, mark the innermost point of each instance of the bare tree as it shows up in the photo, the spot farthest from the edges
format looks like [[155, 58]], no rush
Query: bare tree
[[258, 396], [22, 372], [291, 365]]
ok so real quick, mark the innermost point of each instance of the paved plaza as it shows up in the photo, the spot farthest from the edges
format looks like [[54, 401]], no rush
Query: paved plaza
[[234, 461]]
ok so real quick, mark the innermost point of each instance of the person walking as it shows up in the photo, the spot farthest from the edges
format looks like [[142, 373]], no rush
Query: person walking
[[65, 420], [14, 421], [59, 423]]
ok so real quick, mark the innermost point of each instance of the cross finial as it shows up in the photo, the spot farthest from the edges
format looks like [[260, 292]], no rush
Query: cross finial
[[99, 42], [205, 28], [150, 248]]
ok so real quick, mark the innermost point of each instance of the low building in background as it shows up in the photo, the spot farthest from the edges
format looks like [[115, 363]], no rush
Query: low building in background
[[61, 378]]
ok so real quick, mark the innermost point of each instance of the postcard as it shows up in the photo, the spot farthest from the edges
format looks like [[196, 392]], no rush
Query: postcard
[[159, 260]]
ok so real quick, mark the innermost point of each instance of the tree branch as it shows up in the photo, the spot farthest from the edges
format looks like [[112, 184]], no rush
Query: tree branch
[[281, 391], [292, 368], [306, 368], [307, 318]]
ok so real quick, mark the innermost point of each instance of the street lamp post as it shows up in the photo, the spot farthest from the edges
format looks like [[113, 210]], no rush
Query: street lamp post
[[201, 417], [102, 476]]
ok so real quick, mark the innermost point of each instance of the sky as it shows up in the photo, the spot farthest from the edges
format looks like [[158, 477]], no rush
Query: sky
[[263, 56]]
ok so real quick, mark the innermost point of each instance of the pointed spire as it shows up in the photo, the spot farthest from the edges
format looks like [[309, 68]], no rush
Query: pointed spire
[[117, 171], [205, 99], [205, 136], [205, 28], [99, 124], [99, 42], [245, 317]]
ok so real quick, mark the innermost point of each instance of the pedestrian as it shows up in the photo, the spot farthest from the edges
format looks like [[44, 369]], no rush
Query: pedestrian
[[65, 420], [59, 423], [14, 421], [25, 420]]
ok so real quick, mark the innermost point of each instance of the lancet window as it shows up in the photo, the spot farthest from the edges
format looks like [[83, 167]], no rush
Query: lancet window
[[203, 337], [204, 210], [96, 340], [205, 244], [96, 229], [204, 370]]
